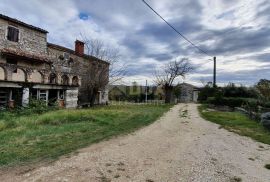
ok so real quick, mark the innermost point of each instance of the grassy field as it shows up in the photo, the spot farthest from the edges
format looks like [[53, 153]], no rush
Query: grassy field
[[238, 123], [35, 137]]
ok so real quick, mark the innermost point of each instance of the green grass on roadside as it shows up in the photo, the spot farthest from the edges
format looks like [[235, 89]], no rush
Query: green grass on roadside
[[47, 136], [238, 123]]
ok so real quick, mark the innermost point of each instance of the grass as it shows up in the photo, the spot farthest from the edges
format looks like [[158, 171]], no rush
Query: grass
[[35, 137], [238, 123]]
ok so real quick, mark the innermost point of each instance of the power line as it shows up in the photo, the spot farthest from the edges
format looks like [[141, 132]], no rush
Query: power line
[[184, 37]]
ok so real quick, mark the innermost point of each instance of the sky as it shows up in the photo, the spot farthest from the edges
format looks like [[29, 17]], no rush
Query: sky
[[237, 32]]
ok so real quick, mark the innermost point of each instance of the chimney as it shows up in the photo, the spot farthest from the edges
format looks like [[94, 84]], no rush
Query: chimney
[[79, 48]]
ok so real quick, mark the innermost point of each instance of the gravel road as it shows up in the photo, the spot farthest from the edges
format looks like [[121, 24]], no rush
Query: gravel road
[[180, 146]]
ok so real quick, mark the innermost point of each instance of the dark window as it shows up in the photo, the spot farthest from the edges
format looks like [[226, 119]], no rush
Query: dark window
[[12, 61], [13, 34], [65, 80], [52, 78], [75, 81]]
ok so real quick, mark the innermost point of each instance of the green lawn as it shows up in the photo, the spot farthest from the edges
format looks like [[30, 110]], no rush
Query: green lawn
[[35, 137], [238, 123]]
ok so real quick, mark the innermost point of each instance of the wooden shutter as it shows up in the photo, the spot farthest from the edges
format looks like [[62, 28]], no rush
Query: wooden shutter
[[13, 34]]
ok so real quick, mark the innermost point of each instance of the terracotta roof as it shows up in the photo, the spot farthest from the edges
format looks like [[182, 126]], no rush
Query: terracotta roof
[[65, 49], [25, 55], [13, 20]]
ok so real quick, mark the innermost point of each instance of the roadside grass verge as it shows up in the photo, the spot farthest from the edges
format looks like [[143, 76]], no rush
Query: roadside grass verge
[[236, 122], [38, 137]]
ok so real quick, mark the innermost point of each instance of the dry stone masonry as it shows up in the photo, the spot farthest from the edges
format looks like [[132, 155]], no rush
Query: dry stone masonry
[[30, 67]]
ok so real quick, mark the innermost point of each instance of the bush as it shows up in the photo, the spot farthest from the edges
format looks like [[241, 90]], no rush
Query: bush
[[265, 120], [227, 101], [239, 91], [34, 107], [229, 91], [206, 92], [266, 104]]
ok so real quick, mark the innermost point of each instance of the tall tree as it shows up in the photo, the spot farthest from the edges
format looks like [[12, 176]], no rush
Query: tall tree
[[264, 88], [168, 74]]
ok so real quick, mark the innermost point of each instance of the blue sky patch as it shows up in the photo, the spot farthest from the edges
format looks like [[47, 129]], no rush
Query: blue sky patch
[[83, 16]]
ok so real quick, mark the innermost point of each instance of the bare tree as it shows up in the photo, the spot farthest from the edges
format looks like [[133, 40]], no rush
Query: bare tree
[[98, 49], [172, 70], [103, 70]]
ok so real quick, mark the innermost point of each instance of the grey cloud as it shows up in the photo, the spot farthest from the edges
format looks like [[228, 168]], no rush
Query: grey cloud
[[243, 41], [136, 28]]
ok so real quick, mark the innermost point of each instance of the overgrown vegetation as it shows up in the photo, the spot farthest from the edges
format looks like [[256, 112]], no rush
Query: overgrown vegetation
[[34, 137], [229, 95], [253, 101], [236, 122]]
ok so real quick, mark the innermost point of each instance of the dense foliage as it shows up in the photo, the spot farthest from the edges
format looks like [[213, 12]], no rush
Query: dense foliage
[[264, 88]]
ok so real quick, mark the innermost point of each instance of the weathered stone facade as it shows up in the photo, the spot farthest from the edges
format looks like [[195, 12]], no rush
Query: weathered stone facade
[[189, 93], [32, 68]]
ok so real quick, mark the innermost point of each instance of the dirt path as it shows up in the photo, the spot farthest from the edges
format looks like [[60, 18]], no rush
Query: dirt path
[[180, 146]]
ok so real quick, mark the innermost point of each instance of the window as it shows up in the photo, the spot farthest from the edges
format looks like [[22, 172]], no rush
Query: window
[[66, 56], [13, 34], [52, 78], [43, 95], [12, 61], [61, 94], [75, 81], [65, 80]]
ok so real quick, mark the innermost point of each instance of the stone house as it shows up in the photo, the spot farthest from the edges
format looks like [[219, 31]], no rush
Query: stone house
[[30, 67], [188, 93]]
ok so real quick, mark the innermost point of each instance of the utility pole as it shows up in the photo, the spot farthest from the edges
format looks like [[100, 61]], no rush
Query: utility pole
[[214, 77], [146, 92]]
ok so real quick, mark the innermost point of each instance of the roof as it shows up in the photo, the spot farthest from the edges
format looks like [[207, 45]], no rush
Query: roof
[[13, 20], [189, 85], [65, 49], [25, 55]]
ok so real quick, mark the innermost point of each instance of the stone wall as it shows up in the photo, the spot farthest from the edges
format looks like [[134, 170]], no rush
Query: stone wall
[[65, 63], [30, 40], [76, 65]]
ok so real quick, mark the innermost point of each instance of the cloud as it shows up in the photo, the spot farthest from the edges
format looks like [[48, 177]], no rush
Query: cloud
[[234, 31]]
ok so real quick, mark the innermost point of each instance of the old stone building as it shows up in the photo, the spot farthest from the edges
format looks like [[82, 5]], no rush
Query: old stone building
[[189, 93], [30, 67]]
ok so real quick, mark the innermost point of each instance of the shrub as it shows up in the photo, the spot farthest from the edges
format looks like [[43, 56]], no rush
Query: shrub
[[34, 107], [206, 92], [227, 101], [233, 91], [266, 104]]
